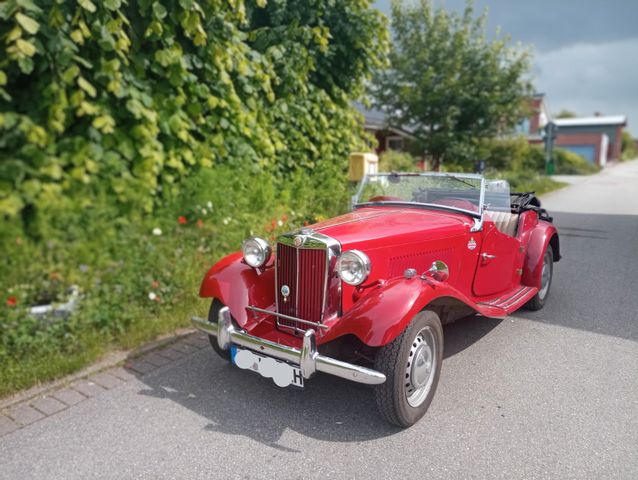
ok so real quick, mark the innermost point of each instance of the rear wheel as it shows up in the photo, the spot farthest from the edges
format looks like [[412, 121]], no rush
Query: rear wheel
[[213, 313], [538, 301], [412, 366]]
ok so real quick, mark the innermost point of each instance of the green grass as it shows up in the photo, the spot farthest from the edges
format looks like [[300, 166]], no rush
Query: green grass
[[531, 182], [136, 285]]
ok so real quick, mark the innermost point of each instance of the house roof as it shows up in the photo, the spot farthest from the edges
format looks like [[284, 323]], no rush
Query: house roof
[[378, 120], [592, 121]]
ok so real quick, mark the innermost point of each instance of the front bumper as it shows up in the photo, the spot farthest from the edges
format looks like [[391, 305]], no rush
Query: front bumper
[[308, 359]]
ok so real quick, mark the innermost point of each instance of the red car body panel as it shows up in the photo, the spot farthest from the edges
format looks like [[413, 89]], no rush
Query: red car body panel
[[396, 239]]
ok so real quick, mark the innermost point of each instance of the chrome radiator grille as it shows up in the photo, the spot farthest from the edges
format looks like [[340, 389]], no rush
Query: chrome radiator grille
[[305, 278]]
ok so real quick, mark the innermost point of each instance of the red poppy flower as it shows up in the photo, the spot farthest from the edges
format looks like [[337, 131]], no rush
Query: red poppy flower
[[200, 223], [12, 301], [273, 224], [284, 218], [182, 220]]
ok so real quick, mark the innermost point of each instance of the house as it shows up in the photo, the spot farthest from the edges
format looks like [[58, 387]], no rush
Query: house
[[598, 139], [388, 137], [533, 125]]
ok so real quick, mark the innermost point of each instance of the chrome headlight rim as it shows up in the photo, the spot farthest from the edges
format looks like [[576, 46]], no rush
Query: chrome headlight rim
[[359, 256], [258, 257]]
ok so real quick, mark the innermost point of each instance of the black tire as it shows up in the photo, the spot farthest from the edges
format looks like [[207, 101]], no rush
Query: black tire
[[213, 312], [538, 301], [393, 360]]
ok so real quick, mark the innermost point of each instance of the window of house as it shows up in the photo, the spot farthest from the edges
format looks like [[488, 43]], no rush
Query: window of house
[[395, 143]]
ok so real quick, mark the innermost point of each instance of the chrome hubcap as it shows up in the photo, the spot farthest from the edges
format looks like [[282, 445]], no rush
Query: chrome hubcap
[[546, 275], [420, 368]]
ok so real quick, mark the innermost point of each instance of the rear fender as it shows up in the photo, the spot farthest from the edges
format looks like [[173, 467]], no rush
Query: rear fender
[[540, 237], [382, 314], [238, 286]]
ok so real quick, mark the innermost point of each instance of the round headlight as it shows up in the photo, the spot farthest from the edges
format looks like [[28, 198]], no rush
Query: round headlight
[[353, 267], [256, 251]]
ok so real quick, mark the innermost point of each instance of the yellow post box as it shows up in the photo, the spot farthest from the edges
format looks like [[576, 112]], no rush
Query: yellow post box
[[362, 164]]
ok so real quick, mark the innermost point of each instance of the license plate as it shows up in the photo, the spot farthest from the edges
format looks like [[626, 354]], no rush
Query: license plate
[[282, 373]]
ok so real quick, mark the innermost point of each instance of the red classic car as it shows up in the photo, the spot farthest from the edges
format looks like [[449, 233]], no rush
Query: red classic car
[[363, 296]]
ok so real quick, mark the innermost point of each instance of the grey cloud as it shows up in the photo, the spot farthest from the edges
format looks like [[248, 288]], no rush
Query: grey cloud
[[551, 24], [586, 78]]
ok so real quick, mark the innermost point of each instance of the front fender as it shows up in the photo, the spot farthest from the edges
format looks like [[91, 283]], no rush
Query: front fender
[[382, 314], [238, 285]]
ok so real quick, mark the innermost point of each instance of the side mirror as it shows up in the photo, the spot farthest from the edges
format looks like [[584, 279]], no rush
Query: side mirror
[[439, 271]]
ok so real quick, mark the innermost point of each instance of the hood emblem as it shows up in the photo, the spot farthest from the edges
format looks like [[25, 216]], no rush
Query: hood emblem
[[298, 241], [285, 292], [471, 245]]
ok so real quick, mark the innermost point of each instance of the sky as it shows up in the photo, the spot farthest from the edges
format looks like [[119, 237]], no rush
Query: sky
[[585, 51]]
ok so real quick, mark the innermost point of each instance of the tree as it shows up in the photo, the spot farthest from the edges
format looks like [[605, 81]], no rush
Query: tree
[[449, 82], [566, 114], [628, 146]]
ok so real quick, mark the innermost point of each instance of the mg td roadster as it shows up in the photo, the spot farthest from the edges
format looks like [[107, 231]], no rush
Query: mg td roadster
[[363, 296]]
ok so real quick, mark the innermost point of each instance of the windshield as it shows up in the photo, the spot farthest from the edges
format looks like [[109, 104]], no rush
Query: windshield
[[459, 192]]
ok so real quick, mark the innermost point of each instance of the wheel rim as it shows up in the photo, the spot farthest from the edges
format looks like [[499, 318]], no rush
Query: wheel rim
[[421, 367], [546, 276]]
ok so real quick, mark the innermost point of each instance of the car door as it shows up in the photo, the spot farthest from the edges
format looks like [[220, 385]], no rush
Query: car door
[[496, 269]]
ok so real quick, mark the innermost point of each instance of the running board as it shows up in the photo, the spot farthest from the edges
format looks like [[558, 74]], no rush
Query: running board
[[512, 300]]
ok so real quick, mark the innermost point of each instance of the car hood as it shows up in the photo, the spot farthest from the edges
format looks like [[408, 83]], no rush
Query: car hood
[[382, 226]]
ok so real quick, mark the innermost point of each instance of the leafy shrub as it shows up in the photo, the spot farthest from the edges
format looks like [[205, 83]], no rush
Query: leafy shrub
[[394, 161], [123, 99], [628, 147], [570, 163], [513, 154]]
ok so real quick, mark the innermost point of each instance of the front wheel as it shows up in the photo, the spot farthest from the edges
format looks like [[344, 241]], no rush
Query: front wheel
[[412, 366], [538, 301]]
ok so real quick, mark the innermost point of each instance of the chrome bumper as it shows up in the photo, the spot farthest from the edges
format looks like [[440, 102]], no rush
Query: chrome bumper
[[308, 359]]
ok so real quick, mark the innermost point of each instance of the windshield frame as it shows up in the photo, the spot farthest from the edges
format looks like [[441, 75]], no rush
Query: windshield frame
[[456, 176]]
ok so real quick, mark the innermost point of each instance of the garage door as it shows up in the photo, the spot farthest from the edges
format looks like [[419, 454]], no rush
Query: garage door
[[588, 152]]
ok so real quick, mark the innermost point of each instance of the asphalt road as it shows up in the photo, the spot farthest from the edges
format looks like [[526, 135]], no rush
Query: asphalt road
[[550, 394]]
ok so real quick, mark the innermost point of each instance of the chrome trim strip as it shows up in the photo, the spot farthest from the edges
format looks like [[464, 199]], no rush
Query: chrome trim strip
[[443, 208], [297, 284], [287, 317], [308, 358]]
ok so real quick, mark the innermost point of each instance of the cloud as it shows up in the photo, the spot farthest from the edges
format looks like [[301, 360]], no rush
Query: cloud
[[587, 78], [551, 24]]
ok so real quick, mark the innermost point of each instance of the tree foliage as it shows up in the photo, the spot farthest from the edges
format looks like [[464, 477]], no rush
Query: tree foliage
[[449, 82], [566, 114], [124, 98], [628, 146]]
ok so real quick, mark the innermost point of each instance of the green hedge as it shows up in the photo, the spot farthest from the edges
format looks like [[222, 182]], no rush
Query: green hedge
[[125, 98]]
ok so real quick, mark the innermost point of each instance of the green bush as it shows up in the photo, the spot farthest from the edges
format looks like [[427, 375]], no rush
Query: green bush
[[628, 146], [569, 163], [394, 161], [123, 99], [512, 154]]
